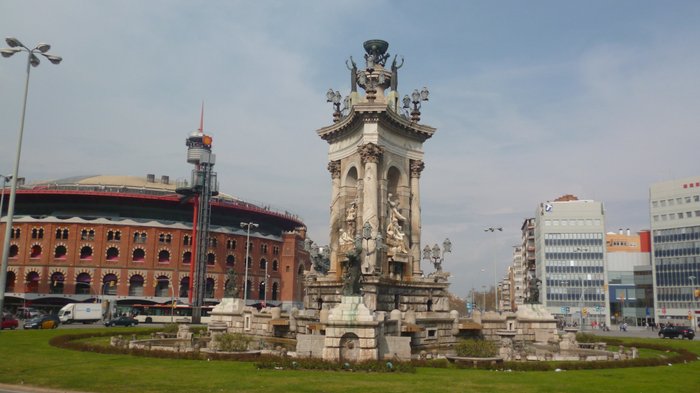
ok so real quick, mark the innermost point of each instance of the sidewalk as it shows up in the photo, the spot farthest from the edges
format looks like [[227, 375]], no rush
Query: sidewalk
[[5, 388]]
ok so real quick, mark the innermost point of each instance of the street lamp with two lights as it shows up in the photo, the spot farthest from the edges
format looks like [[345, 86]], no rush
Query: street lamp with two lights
[[32, 61]]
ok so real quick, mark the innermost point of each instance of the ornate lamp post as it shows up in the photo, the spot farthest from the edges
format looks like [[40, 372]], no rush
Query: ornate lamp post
[[33, 61], [415, 99], [248, 225], [436, 255]]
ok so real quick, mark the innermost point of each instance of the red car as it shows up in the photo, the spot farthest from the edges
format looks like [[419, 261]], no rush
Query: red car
[[9, 322]]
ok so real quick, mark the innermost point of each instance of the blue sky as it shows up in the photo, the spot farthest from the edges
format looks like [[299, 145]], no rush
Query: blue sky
[[531, 99]]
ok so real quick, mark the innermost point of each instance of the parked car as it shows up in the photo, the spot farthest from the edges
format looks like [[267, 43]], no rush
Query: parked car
[[28, 313], [677, 331], [122, 321], [42, 322], [9, 322]]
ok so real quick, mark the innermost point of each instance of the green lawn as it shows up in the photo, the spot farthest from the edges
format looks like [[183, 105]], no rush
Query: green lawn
[[29, 359]]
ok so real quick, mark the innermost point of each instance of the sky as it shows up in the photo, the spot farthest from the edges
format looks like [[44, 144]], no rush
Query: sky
[[531, 100]]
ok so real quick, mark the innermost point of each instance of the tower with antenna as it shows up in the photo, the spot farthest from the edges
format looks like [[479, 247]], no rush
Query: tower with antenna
[[203, 186]]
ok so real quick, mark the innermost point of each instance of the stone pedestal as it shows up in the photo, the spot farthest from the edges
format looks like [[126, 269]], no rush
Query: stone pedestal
[[352, 332]]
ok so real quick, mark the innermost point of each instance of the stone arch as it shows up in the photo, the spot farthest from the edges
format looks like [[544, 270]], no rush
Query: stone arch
[[57, 279], [10, 280], [136, 284], [31, 279], [275, 290], [115, 272], [83, 282], [350, 177], [86, 252], [35, 269], [164, 255], [138, 254], [110, 282], [35, 251], [60, 251], [14, 250], [112, 253], [163, 273], [209, 287], [349, 348], [184, 285], [395, 179]]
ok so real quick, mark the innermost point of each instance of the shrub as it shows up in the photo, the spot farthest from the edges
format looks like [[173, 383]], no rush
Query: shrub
[[232, 342], [476, 348], [169, 328], [587, 338]]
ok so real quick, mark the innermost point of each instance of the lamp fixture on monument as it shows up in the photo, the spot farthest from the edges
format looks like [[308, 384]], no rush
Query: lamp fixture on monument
[[436, 255], [33, 61], [334, 98], [415, 99]]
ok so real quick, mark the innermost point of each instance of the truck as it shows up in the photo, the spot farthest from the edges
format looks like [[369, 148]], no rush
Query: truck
[[80, 312]]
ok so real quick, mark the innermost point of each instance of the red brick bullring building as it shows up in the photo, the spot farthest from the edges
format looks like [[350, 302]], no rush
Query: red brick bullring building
[[129, 240]]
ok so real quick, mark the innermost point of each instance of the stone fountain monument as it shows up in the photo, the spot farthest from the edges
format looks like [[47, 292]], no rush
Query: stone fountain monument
[[375, 287]]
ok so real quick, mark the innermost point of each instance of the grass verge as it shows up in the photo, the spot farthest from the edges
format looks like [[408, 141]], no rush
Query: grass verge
[[29, 359]]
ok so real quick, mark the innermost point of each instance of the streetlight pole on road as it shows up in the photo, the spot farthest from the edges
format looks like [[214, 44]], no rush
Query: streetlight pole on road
[[32, 61]]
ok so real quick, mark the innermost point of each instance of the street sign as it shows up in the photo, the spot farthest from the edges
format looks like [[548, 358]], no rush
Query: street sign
[[585, 311]]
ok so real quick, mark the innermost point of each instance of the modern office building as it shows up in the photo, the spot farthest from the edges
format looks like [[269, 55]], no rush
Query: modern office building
[[570, 260], [675, 229], [630, 286], [129, 240]]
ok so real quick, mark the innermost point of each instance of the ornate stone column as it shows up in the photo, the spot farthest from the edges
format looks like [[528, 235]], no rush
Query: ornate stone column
[[370, 154], [416, 167], [335, 222]]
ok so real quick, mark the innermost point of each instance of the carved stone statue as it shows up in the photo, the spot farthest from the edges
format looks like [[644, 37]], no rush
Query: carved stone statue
[[350, 219], [351, 274], [353, 74], [395, 73], [231, 288], [534, 290], [395, 238]]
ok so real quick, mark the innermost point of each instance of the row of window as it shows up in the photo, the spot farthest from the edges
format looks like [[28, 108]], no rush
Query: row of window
[[675, 201], [139, 237], [675, 279], [569, 256], [676, 216], [676, 235], [575, 297], [679, 265], [575, 282], [574, 269], [110, 284], [677, 252], [138, 255], [572, 222]]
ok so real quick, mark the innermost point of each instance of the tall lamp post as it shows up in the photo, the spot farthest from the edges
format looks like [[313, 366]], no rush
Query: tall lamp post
[[248, 225], [693, 319], [5, 179], [33, 61], [495, 274]]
